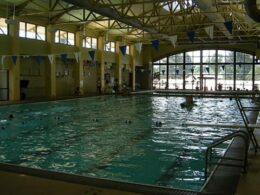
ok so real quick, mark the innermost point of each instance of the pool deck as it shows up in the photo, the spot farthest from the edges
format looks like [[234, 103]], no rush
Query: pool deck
[[249, 182]]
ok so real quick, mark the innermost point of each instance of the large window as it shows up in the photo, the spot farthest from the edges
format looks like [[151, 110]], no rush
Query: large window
[[90, 42], [110, 46], [64, 37], [244, 69], [159, 74], [207, 70], [32, 31], [3, 27]]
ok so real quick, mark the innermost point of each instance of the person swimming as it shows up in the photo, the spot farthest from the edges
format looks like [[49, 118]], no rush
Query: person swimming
[[189, 103]]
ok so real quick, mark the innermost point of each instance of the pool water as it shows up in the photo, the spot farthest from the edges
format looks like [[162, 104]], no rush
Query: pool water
[[138, 139]]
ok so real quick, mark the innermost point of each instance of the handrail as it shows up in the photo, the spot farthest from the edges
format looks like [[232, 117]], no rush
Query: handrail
[[246, 123], [240, 133]]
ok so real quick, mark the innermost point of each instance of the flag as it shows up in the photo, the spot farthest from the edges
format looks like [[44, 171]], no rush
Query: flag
[[155, 44], [191, 36], [229, 26], [64, 58], [173, 40], [51, 58], [210, 31], [92, 54], [3, 60], [123, 49], [38, 59], [77, 56], [138, 46], [14, 59]]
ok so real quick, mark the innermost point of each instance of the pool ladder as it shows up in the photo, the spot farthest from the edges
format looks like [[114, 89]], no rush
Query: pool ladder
[[225, 160], [250, 130]]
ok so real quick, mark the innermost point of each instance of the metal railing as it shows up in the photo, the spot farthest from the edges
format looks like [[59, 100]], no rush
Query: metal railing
[[208, 156], [246, 121]]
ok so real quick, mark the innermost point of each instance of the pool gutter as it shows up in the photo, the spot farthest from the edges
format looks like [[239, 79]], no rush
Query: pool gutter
[[103, 184]]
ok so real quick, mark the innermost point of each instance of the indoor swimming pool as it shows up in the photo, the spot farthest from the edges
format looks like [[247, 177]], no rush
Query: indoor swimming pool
[[140, 139]]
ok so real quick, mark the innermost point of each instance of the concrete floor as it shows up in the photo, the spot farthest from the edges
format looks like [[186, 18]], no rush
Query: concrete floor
[[249, 183]]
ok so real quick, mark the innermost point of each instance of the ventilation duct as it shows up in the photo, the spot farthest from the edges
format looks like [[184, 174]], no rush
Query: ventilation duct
[[252, 10]]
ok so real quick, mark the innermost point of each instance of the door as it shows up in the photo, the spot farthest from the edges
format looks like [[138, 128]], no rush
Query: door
[[4, 86]]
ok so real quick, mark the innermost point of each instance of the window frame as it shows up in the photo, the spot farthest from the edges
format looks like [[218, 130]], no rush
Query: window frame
[[7, 27], [92, 45], [36, 34], [67, 42]]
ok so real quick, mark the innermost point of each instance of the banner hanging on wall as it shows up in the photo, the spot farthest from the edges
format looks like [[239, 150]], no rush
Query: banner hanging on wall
[[229, 26], [64, 58], [14, 59], [210, 31], [3, 61], [38, 59], [92, 54], [173, 40], [155, 44], [191, 36], [123, 49], [77, 56], [51, 58], [138, 46]]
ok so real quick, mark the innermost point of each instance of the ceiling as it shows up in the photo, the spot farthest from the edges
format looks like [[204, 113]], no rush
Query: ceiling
[[143, 20]]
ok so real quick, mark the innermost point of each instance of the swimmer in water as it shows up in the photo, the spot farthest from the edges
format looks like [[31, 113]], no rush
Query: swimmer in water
[[189, 103]]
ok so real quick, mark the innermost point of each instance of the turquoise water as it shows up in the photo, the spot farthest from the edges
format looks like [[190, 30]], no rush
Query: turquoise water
[[116, 137]]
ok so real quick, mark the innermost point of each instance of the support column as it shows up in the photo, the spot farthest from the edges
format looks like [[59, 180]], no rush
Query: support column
[[132, 66], [101, 60], [146, 79], [79, 80], [51, 67], [118, 72], [14, 68]]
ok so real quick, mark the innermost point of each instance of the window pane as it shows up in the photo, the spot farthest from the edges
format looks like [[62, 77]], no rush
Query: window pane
[[57, 36], [31, 31], [63, 37], [22, 29], [127, 50], [107, 47], [112, 45], [3, 26], [41, 33], [84, 42], [88, 42], [94, 43], [71, 39]]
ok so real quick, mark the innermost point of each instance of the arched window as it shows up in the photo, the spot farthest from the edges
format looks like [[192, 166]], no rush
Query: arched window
[[207, 70]]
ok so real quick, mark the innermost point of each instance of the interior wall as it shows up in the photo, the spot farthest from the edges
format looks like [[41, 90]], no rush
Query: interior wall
[[36, 74], [66, 77]]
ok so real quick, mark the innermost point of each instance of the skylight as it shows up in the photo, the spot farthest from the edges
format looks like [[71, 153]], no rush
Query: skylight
[[175, 6]]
